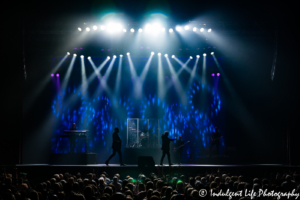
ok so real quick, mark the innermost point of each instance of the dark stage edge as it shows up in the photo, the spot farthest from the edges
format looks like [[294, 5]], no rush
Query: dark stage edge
[[175, 165]]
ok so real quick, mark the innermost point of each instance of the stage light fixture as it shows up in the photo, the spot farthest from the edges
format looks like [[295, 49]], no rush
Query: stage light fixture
[[212, 74], [173, 56], [102, 27], [57, 75], [209, 30], [74, 54], [204, 54], [201, 29], [89, 57], [52, 75], [124, 30], [132, 30], [178, 28], [79, 29], [171, 30], [163, 29], [87, 29], [198, 56], [128, 53], [115, 56], [191, 57], [68, 53], [152, 53], [95, 27], [194, 29], [140, 30], [108, 57], [218, 74], [81, 56], [166, 55], [186, 27], [159, 54], [212, 53]]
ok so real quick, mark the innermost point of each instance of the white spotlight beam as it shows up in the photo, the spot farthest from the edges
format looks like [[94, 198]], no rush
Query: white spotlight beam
[[117, 86], [36, 92], [68, 74], [132, 68], [83, 76], [177, 84]]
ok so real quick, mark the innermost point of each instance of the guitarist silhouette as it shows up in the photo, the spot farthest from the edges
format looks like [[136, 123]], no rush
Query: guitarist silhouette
[[215, 140], [179, 149], [116, 146]]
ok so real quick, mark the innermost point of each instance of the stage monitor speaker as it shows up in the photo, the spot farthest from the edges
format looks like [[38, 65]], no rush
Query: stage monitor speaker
[[146, 161]]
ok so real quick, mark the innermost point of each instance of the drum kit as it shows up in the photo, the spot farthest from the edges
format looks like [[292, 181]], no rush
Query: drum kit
[[145, 139]]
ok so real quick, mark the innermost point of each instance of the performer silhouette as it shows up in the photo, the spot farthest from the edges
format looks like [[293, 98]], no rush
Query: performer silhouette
[[116, 146], [179, 143], [215, 140], [166, 147]]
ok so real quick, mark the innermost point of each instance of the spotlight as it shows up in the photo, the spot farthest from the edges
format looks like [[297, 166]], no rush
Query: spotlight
[[115, 56], [173, 56], [178, 28], [204, 54], [57, 75], [81, 56], [52, 75], [128, 53], [102, 27], [166, 55], [171, 30], [108, 57], [87, 29], [152, 53], [121, 55], [124, 30], [74, 54], [79, 29], [89, 57], [140, 30], [198, 56], [191, 57], [163, 29], [212, 53], [218, 74], [95, 27], [201, 29], [194, 29], [209, 30], [159, 54], [148, 27], [132, 30], [212, 74], [118, 27], [68, 53], [186, 27]]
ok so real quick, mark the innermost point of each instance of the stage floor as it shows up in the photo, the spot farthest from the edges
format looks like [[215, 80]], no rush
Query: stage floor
[[175, 165]]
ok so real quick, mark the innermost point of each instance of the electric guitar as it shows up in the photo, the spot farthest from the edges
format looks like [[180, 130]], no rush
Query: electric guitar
[[215, 139], [175, 149]]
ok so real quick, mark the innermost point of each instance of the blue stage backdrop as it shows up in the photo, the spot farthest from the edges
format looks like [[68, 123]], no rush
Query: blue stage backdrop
[[99, 108]]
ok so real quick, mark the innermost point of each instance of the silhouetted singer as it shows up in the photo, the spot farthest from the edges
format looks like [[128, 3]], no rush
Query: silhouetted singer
[[166, 147], [116, 146]]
